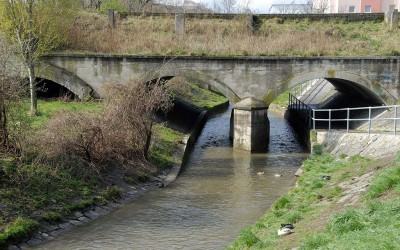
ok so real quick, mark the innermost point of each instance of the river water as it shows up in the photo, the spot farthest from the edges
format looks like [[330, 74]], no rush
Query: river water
[[217, 195]]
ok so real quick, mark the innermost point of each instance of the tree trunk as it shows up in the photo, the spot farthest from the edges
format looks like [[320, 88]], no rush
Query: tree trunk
[[32, 88], [148, 139], [3, 125]]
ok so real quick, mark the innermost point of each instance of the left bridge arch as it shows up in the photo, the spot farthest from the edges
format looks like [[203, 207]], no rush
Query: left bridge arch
[[64, 78]]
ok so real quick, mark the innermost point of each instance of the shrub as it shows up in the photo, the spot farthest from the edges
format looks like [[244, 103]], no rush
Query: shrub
[[119, 134], [18, 230], [317, 149], [53, 217], [111, 193]]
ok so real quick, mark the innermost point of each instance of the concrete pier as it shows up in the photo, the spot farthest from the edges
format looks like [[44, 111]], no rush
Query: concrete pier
[[179, 24], [250, 125]]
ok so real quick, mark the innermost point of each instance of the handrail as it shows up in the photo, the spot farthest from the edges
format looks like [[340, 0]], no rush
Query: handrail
[[309, 115], [368, 119]]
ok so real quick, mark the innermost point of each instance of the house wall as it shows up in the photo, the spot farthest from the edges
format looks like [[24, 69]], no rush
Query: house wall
[[343, 6], [375, 5], [387, 3]]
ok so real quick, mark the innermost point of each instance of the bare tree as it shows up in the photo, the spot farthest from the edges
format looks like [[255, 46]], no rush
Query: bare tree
[[36, 27], [135, 5], [225, 6], [321, 6]]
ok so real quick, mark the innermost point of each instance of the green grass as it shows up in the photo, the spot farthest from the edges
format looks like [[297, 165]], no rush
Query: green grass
[[201, 97], [19, 229], [374, 222], [164, 146], [47, 109]]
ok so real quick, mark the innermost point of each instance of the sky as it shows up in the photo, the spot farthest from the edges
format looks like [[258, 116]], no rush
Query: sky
[[256, 6]]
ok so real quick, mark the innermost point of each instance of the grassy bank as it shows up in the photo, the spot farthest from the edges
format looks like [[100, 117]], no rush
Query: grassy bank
[[356, 209], [34, 191], [31, 191], [150, 35], [196, 95]]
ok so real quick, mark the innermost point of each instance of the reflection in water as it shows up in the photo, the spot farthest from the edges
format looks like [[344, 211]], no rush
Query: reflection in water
[[218, 194]]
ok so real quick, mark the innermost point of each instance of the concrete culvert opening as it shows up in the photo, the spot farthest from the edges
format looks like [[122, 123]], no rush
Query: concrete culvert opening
[[47, 89]]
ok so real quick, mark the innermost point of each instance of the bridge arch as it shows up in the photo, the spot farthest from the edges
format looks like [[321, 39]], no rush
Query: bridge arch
[[344, 82], [64, 78], [197, 78]]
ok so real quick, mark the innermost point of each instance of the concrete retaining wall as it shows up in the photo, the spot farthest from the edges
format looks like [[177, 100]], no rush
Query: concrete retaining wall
[[191, 140], [374, 145], [336, 16]]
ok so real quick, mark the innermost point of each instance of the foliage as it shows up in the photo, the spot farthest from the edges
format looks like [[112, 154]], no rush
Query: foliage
[[120, 133], [10, 92], [112, 193], [18, 230], [116, 5], [36, 27]]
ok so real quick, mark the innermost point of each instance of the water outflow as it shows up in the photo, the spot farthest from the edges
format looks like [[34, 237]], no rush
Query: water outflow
[[220, 192]]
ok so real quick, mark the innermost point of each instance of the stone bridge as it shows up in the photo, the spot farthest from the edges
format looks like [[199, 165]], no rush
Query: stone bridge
[[250, 82]]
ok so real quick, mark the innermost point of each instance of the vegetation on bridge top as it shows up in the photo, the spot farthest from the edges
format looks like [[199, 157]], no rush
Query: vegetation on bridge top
[[154, 35]]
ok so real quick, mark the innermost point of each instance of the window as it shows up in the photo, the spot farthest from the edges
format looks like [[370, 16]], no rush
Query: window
[[367, 9], [352, 9]]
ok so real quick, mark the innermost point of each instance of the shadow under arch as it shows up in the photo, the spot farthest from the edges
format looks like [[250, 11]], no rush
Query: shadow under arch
[[195, 77], [344, 82], [64, 78]]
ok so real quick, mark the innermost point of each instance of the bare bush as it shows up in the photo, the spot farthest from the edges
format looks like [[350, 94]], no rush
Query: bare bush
[[120, 134], [10, 93]]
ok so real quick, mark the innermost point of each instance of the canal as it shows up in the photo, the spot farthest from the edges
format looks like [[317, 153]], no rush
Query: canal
[[220, 191]]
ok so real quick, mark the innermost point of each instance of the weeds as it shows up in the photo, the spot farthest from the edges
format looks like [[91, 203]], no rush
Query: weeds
[[18, 230], [320, 224], [155, 36]]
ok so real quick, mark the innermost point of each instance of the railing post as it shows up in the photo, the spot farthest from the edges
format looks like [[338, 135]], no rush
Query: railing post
[[313, 117], [329, 128], [369, 120], [301, 89], [395, 120], [348, 119]]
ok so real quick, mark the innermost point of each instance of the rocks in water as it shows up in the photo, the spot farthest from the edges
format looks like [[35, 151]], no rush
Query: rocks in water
[[159, 184], [260, 173], [299, 171]]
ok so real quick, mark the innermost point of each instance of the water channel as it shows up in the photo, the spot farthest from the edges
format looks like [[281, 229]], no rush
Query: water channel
[[217, 195]]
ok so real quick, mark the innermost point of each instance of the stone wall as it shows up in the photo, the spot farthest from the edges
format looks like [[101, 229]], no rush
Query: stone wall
[[350, 17]]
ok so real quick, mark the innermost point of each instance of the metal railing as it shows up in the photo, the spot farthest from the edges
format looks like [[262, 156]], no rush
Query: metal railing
[[369, 118], [348, 118], [302, 109]]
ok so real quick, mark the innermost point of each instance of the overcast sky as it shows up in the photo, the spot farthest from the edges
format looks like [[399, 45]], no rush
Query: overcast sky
[[256, 6]]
